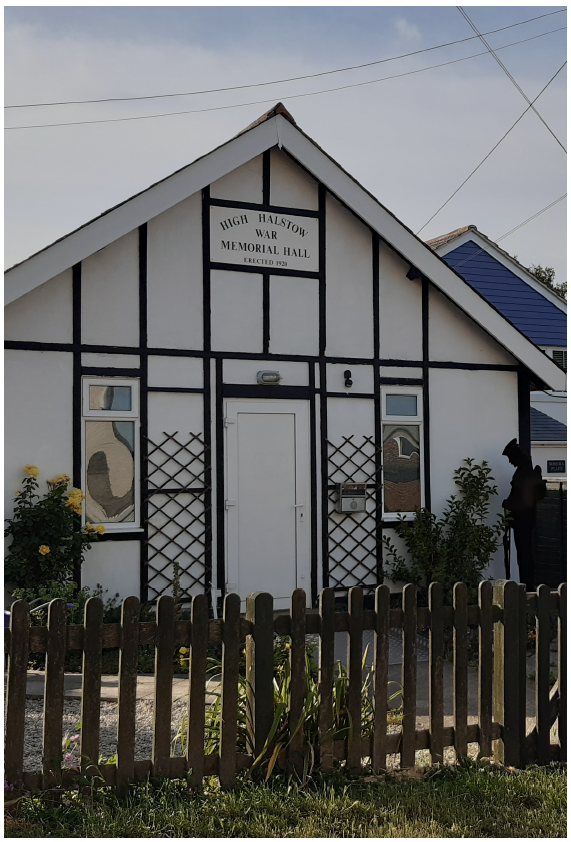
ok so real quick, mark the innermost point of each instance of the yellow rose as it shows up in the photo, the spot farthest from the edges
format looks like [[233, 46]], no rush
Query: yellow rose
[[44, 550], [100, 529], [183, 650], [89, 527], [17, 492], [58, 479], [74, 505], [76, 493], [31, 470]]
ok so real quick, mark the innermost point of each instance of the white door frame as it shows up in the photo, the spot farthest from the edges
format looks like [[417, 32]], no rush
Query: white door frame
[[300, 408]]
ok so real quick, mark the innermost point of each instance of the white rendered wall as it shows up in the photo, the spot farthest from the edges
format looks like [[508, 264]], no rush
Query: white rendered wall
[[540, 454], [472, 414], [43, 315], [183, 372], [111, 360], [294, 315], [363, 377], [453, 336], [290, 185], [115, 565], [174, 277], [243, 184], [400, 310], [349, 275], [171, 412], [110, 294], [38, 416], [236, 307]]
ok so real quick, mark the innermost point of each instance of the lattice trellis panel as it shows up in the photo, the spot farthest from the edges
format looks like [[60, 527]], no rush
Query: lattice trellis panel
[[352, 546], [177, 514]]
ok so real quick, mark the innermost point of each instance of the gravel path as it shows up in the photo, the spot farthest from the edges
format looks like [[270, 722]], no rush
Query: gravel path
[[144, 732]]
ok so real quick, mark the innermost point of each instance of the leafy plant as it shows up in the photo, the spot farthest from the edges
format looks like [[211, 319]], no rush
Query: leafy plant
[[456, 547], [47, 537], [274, 751]]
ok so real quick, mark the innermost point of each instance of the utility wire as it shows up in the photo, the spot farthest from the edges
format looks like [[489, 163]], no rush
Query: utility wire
[[490, 152], [456, 266], [279, 81], [292, 96], [510, 77]]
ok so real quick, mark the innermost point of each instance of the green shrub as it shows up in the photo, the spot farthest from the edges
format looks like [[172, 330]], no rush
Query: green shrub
[[48, 540], [456, 547]]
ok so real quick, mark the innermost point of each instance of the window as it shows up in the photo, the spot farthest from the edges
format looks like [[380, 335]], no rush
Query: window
[[111, 452], [402, 451]]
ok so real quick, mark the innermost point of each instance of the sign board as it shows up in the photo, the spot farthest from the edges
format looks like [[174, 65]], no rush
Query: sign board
[[266, 240], [556, 466]]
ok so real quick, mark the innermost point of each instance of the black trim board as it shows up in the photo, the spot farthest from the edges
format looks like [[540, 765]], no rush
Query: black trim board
[[143, 412], [220, 484], [375, 240], [264, 208], [524, 409], [93, 371], [207, 383], [264, 267], [77, 423], [313, 481], [426, 391]]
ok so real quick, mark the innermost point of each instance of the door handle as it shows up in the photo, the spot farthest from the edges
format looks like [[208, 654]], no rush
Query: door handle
[[298, 505]]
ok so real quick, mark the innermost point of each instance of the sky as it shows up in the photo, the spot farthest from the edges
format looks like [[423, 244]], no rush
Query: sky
[[410, 141]]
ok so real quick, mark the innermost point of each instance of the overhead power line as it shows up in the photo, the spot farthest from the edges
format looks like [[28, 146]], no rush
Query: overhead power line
[[456, 266], [485, 158], [279, 81], [284, 97], [510, 77]]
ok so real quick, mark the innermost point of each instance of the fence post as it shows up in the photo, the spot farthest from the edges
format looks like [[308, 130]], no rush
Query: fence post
[[260, 668], [485, 678], [297, 680], [326, 668], [229, 699], [127, 696], [16, 692], [355, 675], [91, 684], [199, 637], [162, 708], [381, 677], [460, 599], [436, 663], [507, 667], [54, 692], [408, 743], [562, 673], [542, 723]]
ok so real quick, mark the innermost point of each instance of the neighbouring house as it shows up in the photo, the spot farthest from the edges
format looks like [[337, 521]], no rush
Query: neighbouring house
[[252, 368], [535, 310]]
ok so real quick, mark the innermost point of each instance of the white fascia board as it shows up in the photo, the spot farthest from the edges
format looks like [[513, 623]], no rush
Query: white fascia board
[[502, 257], [418, 254], [134, 212]]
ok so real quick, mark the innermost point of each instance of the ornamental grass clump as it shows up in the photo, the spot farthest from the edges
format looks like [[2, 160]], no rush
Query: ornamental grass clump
[[48, 539]]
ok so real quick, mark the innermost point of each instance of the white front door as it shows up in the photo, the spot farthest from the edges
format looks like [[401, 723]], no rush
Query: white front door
[[267, 498]]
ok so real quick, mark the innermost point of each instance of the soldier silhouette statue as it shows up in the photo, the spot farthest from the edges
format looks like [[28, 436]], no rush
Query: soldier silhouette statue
[[527, 488]]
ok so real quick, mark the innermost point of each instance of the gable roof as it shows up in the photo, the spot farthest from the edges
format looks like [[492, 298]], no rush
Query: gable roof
[[527, 309], [546, 428], [275, 128], [445, 243]]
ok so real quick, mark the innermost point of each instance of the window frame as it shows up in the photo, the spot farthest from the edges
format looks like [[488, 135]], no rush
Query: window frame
[[405, 420], [112, 415]]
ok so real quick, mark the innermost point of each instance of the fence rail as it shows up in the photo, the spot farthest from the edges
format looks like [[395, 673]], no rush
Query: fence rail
[[500, 618]]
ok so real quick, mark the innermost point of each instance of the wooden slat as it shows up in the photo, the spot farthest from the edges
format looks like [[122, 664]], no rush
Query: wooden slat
[[506, 673], [326, 665], [16, 693], [54, 692], [126, 705], [562, 672], [260, 667], [520, 653], [297, 680], [542, 642], [435, 666], [162, 710], [485, 667], [355, 675], [408, 676], [91, 684], [381, 678], [230, 675], [197, 689], [461, 668]]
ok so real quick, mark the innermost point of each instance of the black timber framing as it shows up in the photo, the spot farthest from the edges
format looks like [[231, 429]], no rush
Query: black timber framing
[[77, 397], [207, 384], [322, 199], [378, 407], [426, 390], [143, 412], [524, 409]]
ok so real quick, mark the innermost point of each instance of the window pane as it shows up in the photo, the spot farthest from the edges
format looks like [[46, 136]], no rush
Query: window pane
[[401, 405], [109, 456], [401, 467], [115, 398]]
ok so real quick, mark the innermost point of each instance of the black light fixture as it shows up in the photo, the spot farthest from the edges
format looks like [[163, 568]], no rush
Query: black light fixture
[[347, 376]]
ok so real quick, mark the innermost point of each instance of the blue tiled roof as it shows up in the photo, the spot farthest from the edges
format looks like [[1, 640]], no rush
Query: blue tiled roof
[[533, 314], [546, 428]]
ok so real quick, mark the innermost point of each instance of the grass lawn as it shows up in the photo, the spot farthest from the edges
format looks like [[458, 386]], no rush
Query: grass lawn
[[469, 801]]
